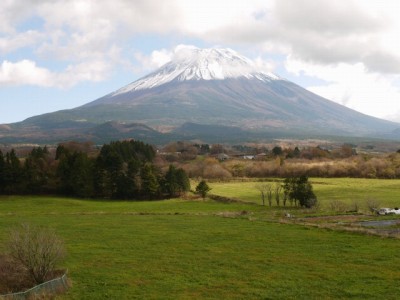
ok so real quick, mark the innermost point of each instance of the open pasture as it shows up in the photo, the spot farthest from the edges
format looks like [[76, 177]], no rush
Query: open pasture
[[179, 249], [346, 190]]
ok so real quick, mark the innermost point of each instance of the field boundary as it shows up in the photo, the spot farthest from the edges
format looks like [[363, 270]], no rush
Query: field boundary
[[51, 287], [228, 200]]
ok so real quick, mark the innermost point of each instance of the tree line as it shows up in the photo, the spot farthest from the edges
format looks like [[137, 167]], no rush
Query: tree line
[[121, 170]]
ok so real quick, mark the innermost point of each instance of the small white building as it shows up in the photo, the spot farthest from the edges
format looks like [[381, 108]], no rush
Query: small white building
[[222, 157], [248, 157]]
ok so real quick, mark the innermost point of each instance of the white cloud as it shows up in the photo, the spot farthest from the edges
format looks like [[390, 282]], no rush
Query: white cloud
[[161, 57], [87, 26], [354, 29], [26, 72], [207, 16], [94, 71], [321, 31], [354, 86], [13, 12], [264, 65], [327, 32], [156, 59], [20, 40]]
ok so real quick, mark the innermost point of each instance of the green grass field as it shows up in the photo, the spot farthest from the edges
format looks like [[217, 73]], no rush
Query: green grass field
[[179, 249], [347, 190]]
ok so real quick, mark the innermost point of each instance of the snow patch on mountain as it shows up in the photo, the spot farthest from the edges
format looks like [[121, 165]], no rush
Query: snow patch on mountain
[[191, 63]]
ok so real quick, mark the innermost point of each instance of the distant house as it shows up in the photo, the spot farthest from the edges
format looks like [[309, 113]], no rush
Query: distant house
[[248, 156], [222, 156]]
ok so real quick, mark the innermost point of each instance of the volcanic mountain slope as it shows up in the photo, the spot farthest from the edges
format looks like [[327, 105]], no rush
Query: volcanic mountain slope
[[217, 87]]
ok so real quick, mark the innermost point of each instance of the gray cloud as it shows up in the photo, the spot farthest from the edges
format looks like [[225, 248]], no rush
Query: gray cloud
[[323, 32], [325, 17], [380, 61], [329, 32]]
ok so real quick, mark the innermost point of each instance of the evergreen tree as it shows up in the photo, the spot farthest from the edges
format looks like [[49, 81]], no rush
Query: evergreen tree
[[175, 182], [36, 171], [75, 173], [82, 175], [171, 185], [305, 193], [118, 168], [300, 190], [12, 173], [109, 167], [149, 183], [202, 189], [183, 180]]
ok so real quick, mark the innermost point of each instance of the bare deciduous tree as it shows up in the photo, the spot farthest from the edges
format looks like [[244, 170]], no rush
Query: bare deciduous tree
[[267, 190], [37, 249], [269, 193], [263, 188], [278, 189]]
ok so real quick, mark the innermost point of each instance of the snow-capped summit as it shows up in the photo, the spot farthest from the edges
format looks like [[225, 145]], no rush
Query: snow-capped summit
[[191, 63]]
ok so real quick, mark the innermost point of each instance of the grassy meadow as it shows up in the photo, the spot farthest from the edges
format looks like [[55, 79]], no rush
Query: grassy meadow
[[347, 190], [195, 249]]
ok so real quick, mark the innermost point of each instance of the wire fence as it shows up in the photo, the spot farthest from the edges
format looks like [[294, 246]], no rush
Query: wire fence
[[52, 287]]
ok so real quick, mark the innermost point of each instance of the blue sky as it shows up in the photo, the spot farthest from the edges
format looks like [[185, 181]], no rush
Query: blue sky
[[62, 54]]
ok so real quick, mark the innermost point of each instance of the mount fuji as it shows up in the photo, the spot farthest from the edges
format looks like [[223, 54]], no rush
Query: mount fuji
[[210, 87]]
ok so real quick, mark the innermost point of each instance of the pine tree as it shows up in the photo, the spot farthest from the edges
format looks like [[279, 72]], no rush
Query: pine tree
[[150, 186], [202, 189], [175, 182], [300, 190], [12, 173]]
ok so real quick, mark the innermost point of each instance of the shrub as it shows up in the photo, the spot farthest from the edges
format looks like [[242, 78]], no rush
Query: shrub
[[337, 206], [373, 204], [216, 171], [12, 276], [37, 249], [354, 206]]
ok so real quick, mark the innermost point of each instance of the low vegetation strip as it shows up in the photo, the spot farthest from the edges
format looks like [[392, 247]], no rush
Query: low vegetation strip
[[45, 290], [227, 199]]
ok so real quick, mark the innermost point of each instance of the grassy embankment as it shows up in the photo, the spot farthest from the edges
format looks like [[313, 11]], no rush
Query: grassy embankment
[[180, 249]]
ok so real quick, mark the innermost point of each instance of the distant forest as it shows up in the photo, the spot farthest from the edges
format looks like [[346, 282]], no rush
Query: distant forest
[[133, 170], [121, 170]]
